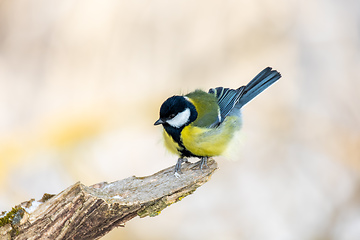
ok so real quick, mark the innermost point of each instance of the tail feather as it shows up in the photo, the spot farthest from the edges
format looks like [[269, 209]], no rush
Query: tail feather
[[259, 83], [230, 99]]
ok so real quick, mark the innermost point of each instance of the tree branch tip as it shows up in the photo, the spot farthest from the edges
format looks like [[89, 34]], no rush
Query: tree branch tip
[[89, 212]]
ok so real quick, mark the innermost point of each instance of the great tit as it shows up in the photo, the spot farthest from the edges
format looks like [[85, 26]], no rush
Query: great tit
[[202, 124]]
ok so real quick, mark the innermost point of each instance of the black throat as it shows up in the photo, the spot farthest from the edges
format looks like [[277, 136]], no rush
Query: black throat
[[175, 133]]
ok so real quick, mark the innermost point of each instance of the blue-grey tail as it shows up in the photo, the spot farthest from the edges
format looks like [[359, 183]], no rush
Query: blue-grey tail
[[259, 83], [230, 99]]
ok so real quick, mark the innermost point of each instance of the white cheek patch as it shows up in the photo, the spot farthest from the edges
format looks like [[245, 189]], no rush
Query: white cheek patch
[[180, 119]]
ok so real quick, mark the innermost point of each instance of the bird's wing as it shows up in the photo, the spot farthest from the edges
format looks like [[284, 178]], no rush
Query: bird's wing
[[227, 99]]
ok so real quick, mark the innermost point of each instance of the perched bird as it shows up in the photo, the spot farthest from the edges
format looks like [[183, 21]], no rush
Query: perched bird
[[202, 124]]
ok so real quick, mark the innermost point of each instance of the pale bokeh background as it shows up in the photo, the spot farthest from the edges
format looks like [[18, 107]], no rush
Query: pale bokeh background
[[81, 83]]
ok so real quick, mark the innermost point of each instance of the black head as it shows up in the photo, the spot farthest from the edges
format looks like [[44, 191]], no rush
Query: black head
[[177, 112]]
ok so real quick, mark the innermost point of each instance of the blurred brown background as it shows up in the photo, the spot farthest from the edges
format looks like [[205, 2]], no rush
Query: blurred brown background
[[81, 83]]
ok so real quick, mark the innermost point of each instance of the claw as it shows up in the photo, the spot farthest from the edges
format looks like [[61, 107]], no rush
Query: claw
[[177, 171], [203, 162]]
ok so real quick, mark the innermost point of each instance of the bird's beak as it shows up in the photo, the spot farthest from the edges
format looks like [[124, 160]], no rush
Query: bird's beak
[[159, 121]]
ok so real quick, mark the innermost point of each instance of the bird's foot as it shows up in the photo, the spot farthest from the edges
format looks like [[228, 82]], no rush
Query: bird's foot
[[177, 171], [203, 163]]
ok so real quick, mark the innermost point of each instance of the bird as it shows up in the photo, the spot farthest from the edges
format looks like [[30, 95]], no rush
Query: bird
[[202, 124]]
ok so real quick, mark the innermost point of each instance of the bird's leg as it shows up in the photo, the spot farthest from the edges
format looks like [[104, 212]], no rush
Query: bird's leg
[[178, 165], [203, 162]]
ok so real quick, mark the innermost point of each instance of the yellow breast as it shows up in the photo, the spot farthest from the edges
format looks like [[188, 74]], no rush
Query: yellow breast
[[170, 144], [210, 141]]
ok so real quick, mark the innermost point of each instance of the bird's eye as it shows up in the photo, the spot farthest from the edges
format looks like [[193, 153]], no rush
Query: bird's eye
[[172, 115]]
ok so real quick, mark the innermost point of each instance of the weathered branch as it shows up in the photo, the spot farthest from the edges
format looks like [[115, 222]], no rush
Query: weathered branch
[[81, 212]]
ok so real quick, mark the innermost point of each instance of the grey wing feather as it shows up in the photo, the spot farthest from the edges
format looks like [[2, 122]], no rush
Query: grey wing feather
[[228, 99]]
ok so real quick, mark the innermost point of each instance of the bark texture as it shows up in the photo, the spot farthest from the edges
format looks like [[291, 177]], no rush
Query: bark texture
[[89, 212]]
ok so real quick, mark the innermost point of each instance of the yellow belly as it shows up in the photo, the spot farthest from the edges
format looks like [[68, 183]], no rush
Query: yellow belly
[[207, 142], [210, 141]]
